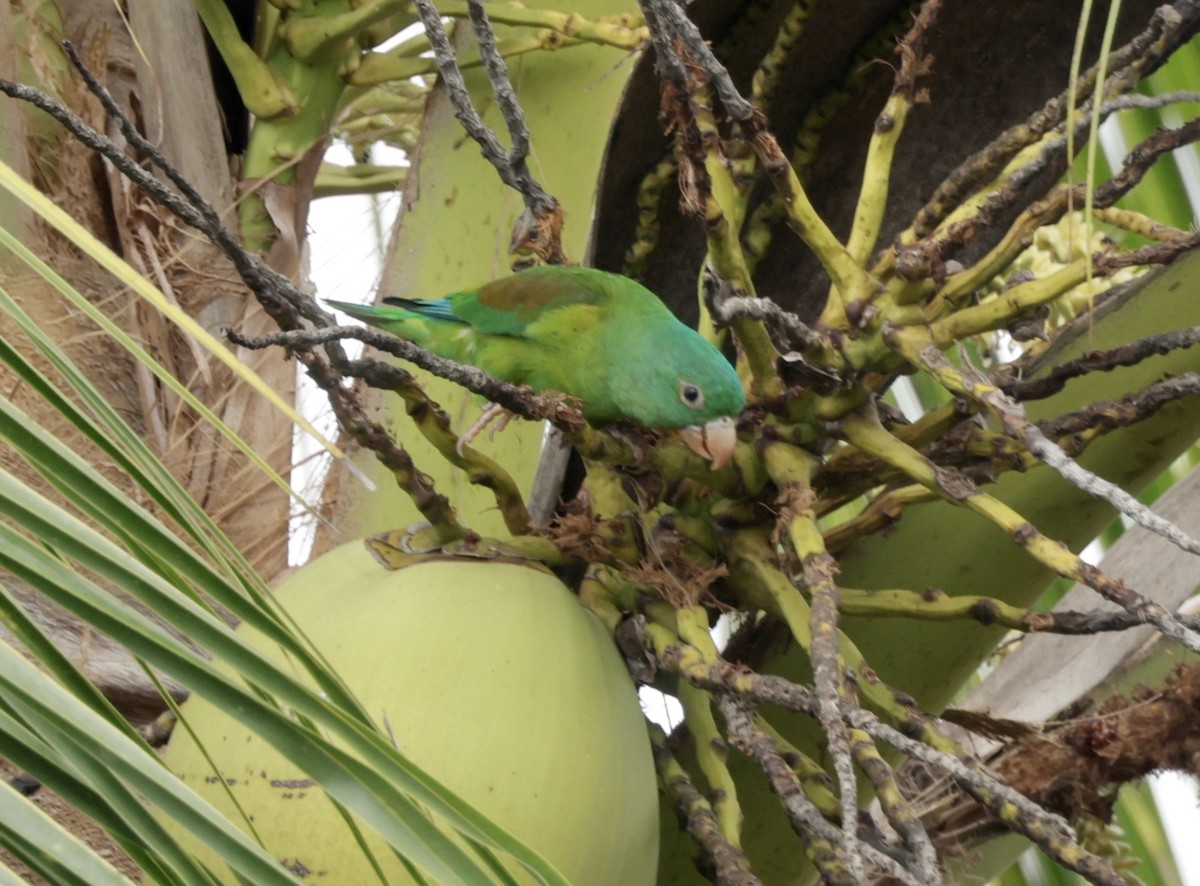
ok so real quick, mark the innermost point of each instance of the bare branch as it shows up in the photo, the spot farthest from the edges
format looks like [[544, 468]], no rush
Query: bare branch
[[1169, 28], [730, 867], [519, 400], [1104, 415], [1081, 478], [821, 837], [669, 23], [1095, 361], [1151, 254], [1012, 414], [968, 382], [786, 324], [506, 98], [540, 226], [1016, 811]]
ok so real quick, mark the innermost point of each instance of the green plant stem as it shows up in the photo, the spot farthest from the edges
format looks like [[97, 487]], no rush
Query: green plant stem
[[692, 625], [264, 95], [1009, 305], [434, 425], [729, 862]]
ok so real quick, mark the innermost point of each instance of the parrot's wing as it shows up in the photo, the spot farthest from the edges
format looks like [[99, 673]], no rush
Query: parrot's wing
[[513, 305], [510, 306]]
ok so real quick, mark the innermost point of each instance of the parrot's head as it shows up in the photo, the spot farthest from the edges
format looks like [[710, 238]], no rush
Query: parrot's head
[[688, 386], [712, 396]]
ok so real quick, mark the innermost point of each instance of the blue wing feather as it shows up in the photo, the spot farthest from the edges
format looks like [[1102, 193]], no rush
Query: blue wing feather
[[438, 309]]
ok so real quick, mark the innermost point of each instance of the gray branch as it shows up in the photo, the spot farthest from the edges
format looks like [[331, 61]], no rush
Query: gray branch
[[510, 166]]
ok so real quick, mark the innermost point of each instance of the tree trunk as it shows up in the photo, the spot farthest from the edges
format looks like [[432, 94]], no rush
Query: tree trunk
[[163, 79]]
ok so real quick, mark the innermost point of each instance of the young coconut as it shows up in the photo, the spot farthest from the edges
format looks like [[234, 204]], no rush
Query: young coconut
[[492, 678]]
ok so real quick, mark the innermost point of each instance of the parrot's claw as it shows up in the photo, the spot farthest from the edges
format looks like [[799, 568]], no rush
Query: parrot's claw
[[493, 412]]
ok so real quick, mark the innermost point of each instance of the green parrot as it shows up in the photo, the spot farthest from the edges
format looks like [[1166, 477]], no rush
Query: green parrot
[[597, 336]]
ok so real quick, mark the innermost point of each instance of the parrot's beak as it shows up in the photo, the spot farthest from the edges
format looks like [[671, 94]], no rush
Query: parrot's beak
[[714, 440]]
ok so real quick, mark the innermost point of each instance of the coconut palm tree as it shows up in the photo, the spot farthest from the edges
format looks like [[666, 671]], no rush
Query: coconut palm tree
[[967, 343]]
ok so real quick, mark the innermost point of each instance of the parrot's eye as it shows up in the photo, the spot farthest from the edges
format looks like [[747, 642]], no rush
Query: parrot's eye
[[691, 395]]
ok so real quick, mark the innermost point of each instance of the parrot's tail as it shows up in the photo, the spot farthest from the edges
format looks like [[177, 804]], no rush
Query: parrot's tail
[[400, 323]]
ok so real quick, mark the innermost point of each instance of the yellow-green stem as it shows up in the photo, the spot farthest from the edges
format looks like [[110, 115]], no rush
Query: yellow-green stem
[[1009, 305], [692, 625], [262, 92], [865, 432], [877, 172], [434, 425]]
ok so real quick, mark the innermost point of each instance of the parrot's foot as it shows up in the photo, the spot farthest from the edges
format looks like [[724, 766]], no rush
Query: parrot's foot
[[493, 413]]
